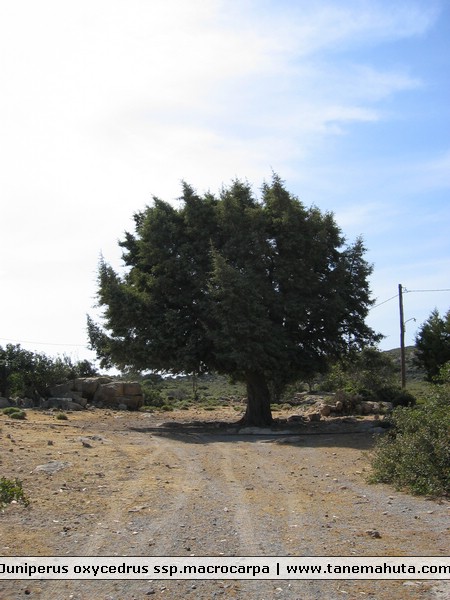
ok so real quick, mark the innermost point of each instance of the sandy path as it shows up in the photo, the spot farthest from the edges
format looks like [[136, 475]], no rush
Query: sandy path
[[144, 491]]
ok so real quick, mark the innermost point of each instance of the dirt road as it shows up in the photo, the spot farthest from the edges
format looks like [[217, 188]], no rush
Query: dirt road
[[128, 486]]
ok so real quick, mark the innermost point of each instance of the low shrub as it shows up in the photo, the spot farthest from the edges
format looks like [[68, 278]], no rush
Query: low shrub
[[183, 405], [396, 395], [152, 394], [18, 414], [11, 490], [61, 417], [210, 401], [9, 410], [14, 412], [415, 454]]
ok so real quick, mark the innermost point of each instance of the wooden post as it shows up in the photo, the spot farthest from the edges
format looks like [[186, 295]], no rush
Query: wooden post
[[402, 336]]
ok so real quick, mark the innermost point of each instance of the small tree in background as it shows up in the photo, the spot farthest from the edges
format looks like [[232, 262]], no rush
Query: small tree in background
[[433, 344], [29, 374], [371, 374], [263, 290], [364, 373]]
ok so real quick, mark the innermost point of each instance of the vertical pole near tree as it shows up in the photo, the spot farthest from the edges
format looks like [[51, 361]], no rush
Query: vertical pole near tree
[[402, 336]]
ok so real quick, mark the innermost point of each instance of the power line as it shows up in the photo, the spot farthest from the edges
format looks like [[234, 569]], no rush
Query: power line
[[411, 291], [406, 291], [384, 301], [43, 343]]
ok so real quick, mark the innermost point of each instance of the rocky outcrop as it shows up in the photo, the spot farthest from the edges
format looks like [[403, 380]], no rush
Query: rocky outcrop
[[332, 405], [61, 404], [102, 392], [119, 393]]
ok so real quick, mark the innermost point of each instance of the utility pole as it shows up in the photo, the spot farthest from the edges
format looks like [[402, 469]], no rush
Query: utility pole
[[402, 336]]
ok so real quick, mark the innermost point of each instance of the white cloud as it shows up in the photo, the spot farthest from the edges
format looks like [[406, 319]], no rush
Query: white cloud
[[75, 72], [104, 103], [309, 28]]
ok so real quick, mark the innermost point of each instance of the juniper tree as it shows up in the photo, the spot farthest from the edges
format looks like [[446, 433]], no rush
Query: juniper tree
[[433, 344], [264, 290]]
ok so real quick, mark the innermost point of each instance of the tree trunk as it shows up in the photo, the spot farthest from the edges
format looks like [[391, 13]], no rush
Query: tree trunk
[[258, 412]]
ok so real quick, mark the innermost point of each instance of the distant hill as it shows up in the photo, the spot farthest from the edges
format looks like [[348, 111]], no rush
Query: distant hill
[[413, 373]]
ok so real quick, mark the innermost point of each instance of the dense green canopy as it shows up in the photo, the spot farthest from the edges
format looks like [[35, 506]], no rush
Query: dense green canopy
[[262, 289], [433, 344]]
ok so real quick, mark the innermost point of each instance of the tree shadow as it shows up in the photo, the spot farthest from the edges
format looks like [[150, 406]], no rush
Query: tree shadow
[[333, 433]]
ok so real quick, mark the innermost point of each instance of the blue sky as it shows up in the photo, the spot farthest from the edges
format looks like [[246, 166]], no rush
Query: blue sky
[[104, 104]]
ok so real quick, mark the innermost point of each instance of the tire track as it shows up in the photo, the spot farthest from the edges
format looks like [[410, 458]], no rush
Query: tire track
[[179, 493]]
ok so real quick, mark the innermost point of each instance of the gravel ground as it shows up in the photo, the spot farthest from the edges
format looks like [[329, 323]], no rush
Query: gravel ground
[[132, 485]]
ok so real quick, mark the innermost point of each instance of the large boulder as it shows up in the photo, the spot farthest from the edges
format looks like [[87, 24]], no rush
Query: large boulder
[[365, 407], [62, 404], [76, 397], [59, 390], [325, 410], [87, 386], [107, 393], [339, 406], [132, 388], [4, 403], [118, 392], [100, 391]]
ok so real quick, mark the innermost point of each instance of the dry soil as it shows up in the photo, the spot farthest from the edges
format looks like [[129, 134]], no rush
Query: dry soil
[[137, 484]]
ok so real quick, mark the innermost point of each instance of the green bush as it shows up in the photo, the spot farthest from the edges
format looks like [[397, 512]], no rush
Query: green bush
[[152, 393], [11, 489], [14, 412], [9, 410], [183, 405], [62, 417], [29, 374], [396, 395], [415, 454], [364, 373], [18, 414], [210, 402]]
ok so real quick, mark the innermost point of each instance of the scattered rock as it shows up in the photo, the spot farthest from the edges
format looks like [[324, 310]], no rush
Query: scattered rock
[[296, 418], [61, 404], [373, 533], [325, 410], [52, 467], [366, 407]]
